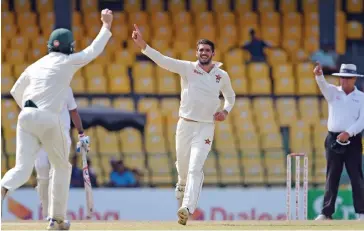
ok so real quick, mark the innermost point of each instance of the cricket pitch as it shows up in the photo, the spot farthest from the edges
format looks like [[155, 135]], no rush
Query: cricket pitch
[[193, 225]]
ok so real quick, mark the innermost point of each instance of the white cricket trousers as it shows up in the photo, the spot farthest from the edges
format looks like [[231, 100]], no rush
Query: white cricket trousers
[[193, 144], [44, 173], [43, 167], [40, 128]]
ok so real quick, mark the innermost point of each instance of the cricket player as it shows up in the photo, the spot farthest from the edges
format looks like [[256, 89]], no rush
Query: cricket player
[[201, 83], [41, 91], [42, 165]]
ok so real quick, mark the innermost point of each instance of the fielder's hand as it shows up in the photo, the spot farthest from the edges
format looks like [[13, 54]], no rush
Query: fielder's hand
[[220, 115], [343, 137], [318, 69], [138, 39], [83, 140], [106, 18]]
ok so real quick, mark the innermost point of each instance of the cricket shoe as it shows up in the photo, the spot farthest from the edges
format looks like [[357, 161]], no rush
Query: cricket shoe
[[361, 217], [180, 191], [322, 217], [58, 225], [183, 214]]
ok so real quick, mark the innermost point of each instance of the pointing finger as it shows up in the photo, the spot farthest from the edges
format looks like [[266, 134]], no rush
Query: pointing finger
[[136, 28]]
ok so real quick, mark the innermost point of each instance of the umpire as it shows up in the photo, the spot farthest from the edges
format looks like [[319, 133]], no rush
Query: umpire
[[343, 143]]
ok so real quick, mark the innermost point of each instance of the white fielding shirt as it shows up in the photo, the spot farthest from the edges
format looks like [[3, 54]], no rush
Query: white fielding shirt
[[346, 112], [46, 81], [199, 90]]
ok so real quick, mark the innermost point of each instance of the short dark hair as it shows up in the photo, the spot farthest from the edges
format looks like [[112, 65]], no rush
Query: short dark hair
[[206, 42]]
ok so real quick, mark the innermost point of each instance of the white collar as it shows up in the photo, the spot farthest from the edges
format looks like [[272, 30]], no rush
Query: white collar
[[351, 93], [216, 65]]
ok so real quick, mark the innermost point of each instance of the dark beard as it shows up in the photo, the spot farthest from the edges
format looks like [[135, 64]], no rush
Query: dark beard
[[204, 63]]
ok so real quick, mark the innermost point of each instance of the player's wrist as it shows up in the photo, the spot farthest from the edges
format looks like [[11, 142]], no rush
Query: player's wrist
[[107, 25], [225, 112], [143, 46]]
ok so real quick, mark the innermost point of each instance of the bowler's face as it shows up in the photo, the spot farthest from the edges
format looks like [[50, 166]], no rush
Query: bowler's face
[[204, 54]]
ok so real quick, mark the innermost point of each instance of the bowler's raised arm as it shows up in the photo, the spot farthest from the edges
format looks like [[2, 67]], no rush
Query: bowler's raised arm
[[165, 62]]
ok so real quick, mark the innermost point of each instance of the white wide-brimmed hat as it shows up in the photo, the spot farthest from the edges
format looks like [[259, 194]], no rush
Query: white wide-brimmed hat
[[348, 70]]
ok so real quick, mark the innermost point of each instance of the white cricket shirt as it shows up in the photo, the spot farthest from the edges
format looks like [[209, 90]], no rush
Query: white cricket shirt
[[346, 112], [46, 81], [199, 90], [70, 105]]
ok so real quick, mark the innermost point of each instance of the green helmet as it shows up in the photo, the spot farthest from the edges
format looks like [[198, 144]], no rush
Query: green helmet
[[61, 40]]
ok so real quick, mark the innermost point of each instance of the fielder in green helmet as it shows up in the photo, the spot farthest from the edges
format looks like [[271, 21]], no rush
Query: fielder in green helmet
[[41, 92], [61, 40]]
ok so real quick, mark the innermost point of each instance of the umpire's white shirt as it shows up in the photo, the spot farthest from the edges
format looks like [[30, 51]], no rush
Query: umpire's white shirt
[[346, 112], [46, 81], [200, 90]]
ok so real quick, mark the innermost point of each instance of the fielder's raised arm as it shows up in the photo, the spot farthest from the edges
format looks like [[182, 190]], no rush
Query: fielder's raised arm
[[165, 62], [328, 90], [98, 45]]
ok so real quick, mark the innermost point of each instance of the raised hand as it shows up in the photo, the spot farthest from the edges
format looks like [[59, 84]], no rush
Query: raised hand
[[318, 69], [137, 37], [107, 18]]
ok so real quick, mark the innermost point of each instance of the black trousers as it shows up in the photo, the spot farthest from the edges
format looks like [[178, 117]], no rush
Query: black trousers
[[352, 158]]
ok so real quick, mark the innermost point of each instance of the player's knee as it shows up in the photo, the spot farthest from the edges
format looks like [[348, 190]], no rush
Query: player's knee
[[195, 171], [42, 172], [25, 168], [196, 165], [64, 165], [65, 169], [24, 172]]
